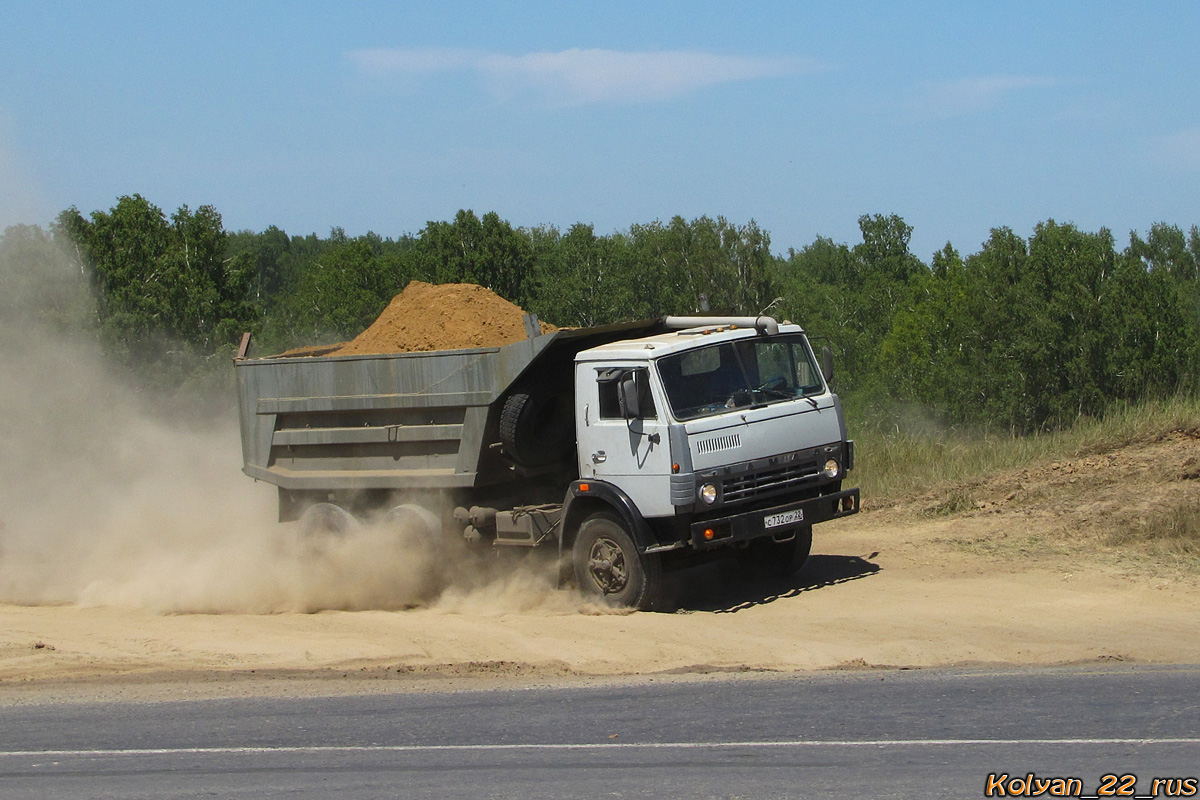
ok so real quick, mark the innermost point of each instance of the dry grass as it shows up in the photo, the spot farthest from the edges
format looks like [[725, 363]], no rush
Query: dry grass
[[958, 499], [1174, 531], [897, 461], [1011, 548], [1079, 497]]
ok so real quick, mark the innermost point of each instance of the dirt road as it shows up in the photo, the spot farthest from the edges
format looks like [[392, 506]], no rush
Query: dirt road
[[1020, 576]]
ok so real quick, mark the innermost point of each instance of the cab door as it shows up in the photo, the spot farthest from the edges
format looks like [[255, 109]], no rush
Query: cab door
[[622, 435]]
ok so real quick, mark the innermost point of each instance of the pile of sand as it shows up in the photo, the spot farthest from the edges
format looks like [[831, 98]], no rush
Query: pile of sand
[[450, 316]]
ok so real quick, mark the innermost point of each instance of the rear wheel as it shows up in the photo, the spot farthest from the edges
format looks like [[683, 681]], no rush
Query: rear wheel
[[321, 524], [608, 566], [326, 521], [415, 545], [417, 529]]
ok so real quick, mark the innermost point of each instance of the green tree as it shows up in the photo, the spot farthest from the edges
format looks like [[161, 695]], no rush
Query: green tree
[[581, 278], [42, 281], [684, 267], [488, 252], [163, 286], [343, 291], [1165, 249]]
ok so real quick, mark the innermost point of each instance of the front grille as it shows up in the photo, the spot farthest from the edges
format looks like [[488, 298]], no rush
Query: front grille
[[768, 482]]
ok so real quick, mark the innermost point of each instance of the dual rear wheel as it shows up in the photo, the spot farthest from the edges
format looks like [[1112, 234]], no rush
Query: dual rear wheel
[[414, 525]]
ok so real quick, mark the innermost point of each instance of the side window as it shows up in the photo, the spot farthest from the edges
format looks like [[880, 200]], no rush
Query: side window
[[610, 404], [609, 382], [807, 375]]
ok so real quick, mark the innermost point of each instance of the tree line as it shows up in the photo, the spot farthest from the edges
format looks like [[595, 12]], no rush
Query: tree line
[[1024, 334]]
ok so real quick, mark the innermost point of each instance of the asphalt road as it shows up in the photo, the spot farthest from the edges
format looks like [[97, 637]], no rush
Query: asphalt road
[[870, 734]]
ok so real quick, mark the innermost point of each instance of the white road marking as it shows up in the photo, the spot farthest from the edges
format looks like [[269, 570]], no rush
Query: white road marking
[[434, 748]]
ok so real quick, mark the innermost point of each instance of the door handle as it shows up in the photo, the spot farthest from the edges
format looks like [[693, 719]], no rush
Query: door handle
[[599, 457]]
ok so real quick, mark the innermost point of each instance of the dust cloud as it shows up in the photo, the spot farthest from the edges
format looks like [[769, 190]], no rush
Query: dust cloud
[[106, 500]]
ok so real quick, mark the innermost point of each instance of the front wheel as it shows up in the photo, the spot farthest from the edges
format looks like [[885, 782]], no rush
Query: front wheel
[[608, 566], [770, 559]]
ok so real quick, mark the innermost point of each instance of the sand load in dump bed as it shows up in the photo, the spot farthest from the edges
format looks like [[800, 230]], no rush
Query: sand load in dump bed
[[450, 316]]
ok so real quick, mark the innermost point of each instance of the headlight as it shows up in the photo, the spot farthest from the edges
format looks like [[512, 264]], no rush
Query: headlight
[[708, 493], [832, 468]]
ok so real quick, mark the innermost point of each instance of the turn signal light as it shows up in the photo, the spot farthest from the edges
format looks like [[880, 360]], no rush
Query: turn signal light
[[709, 533], [583, 487]]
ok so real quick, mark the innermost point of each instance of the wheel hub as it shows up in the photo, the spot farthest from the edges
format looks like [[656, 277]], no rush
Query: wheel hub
[[606, 565]]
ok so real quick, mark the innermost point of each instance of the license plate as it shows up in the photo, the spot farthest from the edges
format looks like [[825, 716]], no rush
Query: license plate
[[784, 518]]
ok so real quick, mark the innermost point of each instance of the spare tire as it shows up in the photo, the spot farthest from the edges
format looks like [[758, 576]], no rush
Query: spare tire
[[536, 429]]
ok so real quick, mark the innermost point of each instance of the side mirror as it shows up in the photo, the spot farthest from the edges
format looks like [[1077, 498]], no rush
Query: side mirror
[[629, 395], [827, 363]]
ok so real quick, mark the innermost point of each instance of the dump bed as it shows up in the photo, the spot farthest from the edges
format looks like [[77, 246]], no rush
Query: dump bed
[[419, 420]]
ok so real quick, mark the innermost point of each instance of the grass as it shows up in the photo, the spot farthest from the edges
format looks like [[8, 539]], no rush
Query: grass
[[897, 460], [1173, 532], [1007, 547], [957, 500]]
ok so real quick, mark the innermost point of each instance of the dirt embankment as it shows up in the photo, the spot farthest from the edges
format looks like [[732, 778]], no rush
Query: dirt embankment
[[426, 316], [1024, 570]]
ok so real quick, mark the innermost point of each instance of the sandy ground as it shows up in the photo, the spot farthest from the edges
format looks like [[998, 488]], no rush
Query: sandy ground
[[1022, 570], [881, 590]]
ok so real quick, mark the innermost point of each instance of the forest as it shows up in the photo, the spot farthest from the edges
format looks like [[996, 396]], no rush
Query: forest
[[1022, 335]]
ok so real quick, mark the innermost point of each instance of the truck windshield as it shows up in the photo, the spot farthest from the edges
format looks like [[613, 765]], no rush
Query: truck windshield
[[751, 372]]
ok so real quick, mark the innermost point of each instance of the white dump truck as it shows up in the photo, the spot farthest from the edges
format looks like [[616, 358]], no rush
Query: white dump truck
[[633, 449]]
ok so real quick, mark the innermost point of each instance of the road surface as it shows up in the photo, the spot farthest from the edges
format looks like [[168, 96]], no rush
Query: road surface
[[868, 734]]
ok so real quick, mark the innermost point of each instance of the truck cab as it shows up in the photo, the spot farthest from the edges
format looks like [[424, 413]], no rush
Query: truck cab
[[711, 441]]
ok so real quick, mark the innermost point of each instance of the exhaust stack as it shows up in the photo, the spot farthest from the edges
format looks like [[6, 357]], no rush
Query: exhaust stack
[[765, 325]]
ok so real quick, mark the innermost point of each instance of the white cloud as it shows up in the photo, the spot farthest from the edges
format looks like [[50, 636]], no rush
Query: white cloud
[[578, 77], [970, 95], [1182, 149], [413, 59]]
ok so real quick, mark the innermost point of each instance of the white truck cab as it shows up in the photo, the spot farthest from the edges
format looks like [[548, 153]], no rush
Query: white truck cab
[[718, 439]]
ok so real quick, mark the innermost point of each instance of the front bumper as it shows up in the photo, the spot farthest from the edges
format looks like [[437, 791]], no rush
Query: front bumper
[[752, 524]]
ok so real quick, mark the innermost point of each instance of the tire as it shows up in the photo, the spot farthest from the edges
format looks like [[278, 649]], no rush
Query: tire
[[417, 527], [776, 560], [608, 566], [415, 544], [535, 429], [322, 524], [322, 521]]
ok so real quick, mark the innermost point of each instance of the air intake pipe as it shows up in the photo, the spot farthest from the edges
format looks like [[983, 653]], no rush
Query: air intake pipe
[[766, 325]]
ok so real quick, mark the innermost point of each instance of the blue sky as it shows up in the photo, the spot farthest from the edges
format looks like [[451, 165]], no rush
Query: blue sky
[[959, 117]]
